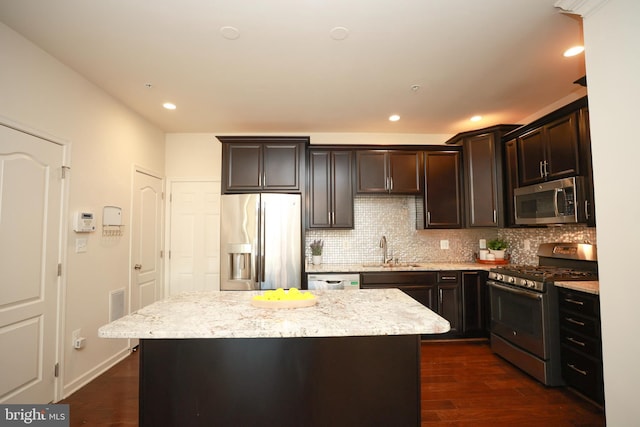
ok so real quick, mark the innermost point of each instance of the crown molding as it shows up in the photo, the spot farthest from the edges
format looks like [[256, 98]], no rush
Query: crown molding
[[580, 7]]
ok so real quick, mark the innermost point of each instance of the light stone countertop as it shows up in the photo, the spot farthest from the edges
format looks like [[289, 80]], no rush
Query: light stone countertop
[[229, 314], [591, 287], [404, 266]]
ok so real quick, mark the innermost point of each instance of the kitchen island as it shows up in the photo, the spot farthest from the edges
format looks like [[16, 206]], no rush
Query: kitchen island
[[210, 358]]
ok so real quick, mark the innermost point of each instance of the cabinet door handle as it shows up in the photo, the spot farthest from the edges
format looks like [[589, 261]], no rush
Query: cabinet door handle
[[574, 321], [572, 301], [541, 170], [428, 218], [546, 168], [390, 183], [580, 371], [495, 217], [575, 341], [448, 278], [586, 209]]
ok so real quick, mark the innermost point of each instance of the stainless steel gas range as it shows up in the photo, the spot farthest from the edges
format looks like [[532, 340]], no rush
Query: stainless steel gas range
[[524, 307]]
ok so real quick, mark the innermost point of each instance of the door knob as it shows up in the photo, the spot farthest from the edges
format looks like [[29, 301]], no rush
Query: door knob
[[138, 267]]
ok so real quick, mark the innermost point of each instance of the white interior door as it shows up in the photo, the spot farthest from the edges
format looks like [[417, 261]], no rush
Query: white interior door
[[146, 240], [30, 212], [194, 252]]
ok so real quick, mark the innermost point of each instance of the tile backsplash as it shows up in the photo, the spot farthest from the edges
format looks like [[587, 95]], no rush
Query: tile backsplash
[[395, 218]]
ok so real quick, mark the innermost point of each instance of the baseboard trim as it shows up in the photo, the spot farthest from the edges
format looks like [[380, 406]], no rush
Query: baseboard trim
[[78, 383]]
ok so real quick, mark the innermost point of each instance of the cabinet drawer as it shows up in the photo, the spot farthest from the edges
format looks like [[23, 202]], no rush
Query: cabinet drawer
[[588, 346], [448, 276], [587, 326], [579, 302], [583, 374], [398, 278]]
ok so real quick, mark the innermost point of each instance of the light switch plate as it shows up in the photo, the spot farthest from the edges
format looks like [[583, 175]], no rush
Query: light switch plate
[[444, 244], [81, 245]]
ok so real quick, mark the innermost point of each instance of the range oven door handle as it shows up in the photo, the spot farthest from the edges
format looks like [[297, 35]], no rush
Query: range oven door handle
[[510, 289]]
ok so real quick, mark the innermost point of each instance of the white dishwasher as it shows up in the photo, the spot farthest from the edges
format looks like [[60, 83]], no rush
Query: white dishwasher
[[333, 281]]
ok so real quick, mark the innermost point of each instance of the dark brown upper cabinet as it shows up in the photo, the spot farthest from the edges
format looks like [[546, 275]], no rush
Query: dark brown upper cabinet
[[269, 164], [483, 175], [443, 189], [550, 151], [555, 146], [388, 171], [588, 210], [330, 189], [511, 179]]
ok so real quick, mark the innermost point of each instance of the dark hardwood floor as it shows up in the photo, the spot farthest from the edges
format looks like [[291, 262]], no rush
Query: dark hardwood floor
[[463, 384]]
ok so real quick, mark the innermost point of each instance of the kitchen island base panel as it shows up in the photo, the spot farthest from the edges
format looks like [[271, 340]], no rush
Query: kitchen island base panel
[[332, 381]]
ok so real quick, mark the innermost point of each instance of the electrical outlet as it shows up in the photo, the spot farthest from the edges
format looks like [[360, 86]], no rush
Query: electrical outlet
[[444, 244], [77, 340], [526, 244]]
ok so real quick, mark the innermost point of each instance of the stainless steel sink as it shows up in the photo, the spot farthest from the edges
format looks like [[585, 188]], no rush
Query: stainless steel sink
[[391, 265]]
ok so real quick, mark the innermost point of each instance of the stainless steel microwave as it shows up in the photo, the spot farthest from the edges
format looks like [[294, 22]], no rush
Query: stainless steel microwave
[[553, 202]]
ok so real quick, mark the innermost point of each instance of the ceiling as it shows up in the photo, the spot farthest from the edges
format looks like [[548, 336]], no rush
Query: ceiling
[[234, 66]]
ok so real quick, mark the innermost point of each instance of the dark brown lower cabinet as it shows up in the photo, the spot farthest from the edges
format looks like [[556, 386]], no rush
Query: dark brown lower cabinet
[[437, 290], [581, 342], [306, 381], [475, 304]]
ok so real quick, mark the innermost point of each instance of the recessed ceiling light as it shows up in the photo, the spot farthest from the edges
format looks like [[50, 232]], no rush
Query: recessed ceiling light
[[339, 33], [476, 118], [169, 106], [230, 33], [394, 118], [573, 51]]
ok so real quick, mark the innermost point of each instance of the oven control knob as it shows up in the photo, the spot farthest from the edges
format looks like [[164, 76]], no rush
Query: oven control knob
[[512, 280], [499, 276]]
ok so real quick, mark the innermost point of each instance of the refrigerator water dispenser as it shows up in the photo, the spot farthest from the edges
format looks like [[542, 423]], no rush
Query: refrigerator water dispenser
[[239, 261]]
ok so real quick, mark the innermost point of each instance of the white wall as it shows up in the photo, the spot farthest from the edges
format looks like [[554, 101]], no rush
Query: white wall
[[193, 155], [612, 40], [106, 140]]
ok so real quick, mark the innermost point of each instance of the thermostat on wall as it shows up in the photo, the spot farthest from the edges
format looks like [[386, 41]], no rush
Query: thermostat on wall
[[83, 222]]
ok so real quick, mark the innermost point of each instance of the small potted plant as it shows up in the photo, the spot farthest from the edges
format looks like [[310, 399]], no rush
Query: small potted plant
[[497, 247], [316, 251]]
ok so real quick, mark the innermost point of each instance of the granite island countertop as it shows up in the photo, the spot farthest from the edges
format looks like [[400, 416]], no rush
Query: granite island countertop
[[229, 314], [403, 266]]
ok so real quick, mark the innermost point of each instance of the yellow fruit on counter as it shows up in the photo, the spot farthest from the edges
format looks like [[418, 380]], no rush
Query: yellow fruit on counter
[[280, 294]]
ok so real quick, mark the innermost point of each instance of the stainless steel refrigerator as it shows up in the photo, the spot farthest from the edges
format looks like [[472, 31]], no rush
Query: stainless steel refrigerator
[[260, 246]]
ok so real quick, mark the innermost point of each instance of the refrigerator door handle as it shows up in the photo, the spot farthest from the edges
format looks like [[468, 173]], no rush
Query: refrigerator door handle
[[261, 240]]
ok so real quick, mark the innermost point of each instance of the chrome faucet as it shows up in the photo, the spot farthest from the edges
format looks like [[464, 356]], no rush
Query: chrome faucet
[[383, 245]]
